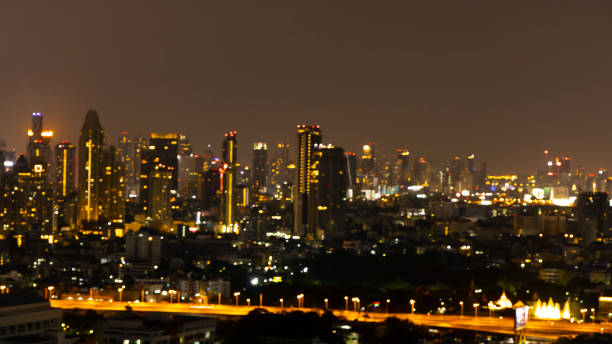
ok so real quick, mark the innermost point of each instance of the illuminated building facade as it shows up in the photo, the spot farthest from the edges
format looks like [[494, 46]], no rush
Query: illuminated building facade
[[91, 151], [280, 174], [39, 151], [65, 165], [160, 155], [113, 187], [228, 184], [369, 165], [128, 151], [160, 182], [260, 166], [308, 137]]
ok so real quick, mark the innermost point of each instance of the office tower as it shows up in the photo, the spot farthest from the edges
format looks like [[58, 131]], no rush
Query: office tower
[[160, 155], [65, 165], [402, 167], [39, 151], [160, 182], [332, 185], [113, 186], [228, 184], [90, 173], [420, 171], [64, 168], [133, 185], [280, 174], [260, 166], [308, 137], [369, 165], [126, 152], [188, 176]]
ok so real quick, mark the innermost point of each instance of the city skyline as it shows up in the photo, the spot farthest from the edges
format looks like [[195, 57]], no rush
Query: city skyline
[[437, 79]]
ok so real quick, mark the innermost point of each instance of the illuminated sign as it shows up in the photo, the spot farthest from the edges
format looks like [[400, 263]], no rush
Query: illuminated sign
[[521, 315], [38, 168]]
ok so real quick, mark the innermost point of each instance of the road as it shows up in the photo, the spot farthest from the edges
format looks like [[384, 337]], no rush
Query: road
[[535, 328]]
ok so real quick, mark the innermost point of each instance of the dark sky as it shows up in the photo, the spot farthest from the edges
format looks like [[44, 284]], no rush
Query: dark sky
[[502, 79]]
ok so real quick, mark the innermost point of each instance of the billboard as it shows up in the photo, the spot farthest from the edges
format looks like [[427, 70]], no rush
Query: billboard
[[521, 315]]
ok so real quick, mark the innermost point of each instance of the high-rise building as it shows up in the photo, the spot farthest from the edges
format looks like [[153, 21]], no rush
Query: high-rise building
[[351, 170], [368, 160], [420, 171], [160, 155], [39, 151], [188, 176], [129, 157], [160, 182], [280, 174], [332, 185], [210, 189], [184, 145], [260, 166], [65, 165], [228, 223], [402, 167], [308, 137], [91, 151], [113, 186]]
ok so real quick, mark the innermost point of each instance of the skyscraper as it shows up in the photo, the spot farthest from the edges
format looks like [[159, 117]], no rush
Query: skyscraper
[[332, 184], [91, 148], [228, 184], [368, 159], [260, 166], [39, 151], [113, 186], [402, 167], [64, 168], [307, 138], [280, 175], [160, 155], [159, 195]]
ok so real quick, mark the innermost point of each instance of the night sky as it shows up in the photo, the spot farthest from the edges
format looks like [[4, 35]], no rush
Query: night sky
[[502, 79]]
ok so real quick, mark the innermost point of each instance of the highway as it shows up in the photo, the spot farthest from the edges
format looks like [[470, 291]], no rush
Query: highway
[[535, 328]]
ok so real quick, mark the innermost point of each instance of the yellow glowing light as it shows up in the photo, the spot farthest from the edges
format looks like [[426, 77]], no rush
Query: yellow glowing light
[[550, 310], [38, 168], [30, 132], [47, 133]]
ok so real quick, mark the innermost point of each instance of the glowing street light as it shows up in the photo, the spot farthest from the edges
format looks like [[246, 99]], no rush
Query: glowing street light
[[326, 303], [476, 309], [387, 306], [281, 303], [300, 300], [171, 292], [249, 302], [583, 311], [355, 303], [236, 295], [120, 290], [412, 305], [461, 304], [346, 303]]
